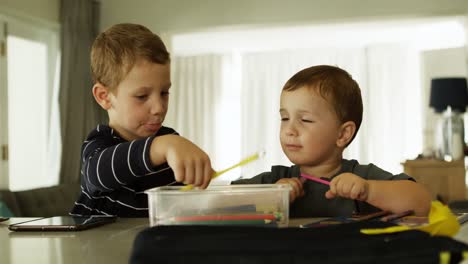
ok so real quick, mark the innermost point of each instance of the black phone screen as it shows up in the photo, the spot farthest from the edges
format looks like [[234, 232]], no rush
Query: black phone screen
[[62, 223]]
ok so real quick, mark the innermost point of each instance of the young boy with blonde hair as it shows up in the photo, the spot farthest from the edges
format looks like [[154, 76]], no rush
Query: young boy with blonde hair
[[131, 72], [321, 111]]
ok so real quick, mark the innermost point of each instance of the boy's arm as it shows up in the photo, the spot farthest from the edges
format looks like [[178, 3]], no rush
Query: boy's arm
[[106, 168], [395, 193], [190, 164], [399, 196]]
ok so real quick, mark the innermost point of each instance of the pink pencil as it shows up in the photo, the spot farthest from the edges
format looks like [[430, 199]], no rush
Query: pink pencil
[[315, 179]]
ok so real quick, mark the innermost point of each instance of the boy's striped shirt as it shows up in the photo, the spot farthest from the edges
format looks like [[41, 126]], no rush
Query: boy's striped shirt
[[115, 173]]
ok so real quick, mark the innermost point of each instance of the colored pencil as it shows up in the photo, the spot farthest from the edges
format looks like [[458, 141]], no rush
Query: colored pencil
[[241, 163], [370, 216], [322, 181], [315, 179], [328, 221], [392, 217]]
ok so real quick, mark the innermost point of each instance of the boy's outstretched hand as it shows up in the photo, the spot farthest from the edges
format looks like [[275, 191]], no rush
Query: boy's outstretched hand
[[297, 187], [350, 186], [190, 164]]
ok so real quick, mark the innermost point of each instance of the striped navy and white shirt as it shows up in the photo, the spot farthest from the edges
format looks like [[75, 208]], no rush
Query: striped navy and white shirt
[[115, 173]]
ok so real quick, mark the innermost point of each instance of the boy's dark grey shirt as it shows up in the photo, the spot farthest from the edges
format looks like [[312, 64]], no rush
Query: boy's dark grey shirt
[[314, 203]]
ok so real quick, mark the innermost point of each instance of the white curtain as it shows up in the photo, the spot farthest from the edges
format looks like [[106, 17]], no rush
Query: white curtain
[[394, 106], [204, 106], [388, 76], [79, 112], [229, 104], [263, 76]]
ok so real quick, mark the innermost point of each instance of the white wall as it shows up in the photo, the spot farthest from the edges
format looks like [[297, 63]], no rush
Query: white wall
[[444, 63], [187, 15], [45, 11]]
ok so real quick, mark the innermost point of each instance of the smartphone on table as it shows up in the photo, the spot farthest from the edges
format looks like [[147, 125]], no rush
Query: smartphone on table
[[63, 223]]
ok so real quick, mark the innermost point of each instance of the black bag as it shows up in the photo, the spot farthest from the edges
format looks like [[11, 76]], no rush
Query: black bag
[[332, 244]]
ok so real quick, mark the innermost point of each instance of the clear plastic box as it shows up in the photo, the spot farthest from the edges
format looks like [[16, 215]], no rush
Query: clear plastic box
[[250, 204]]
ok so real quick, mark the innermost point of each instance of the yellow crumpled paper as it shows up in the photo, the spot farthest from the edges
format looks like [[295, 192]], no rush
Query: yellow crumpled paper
[[441, 222]]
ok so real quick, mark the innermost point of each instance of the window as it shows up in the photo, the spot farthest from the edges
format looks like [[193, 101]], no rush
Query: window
[[28, 104]]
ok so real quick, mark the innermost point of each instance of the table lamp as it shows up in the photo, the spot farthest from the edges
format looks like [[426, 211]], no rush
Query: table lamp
[[449, 98]]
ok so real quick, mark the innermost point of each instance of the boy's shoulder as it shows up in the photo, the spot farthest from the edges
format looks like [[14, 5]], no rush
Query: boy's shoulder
[[166, 131], [363, 170], [280, 171], [277, 172], [106, 131], [101, 131]]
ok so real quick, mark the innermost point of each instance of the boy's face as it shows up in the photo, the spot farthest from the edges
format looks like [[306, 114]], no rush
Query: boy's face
[[309, 127], [139, 103]]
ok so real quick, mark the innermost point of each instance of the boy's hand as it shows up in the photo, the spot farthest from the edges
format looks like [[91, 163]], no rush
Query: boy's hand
[[297, 187], [190, 164], [350, 186]]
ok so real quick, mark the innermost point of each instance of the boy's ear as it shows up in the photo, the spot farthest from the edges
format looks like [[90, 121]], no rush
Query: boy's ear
[[346, 133], [102, 95]]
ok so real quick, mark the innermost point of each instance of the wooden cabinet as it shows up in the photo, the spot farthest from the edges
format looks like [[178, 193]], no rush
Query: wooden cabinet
[[442, 178]]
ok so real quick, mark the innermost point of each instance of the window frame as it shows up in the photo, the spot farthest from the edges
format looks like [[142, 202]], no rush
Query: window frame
[[39, 31]]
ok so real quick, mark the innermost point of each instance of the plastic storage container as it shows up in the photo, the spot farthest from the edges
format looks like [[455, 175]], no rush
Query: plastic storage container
[[251, 204]]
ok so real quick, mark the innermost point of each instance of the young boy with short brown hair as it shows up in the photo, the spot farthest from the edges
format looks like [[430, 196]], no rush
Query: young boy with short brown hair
[[131, 71], [321, 112]]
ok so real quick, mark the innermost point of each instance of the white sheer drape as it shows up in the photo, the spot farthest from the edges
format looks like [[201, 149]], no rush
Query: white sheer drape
[[79, 112], [264, 75], [388, 79], [204, 105], [394, 106], [195, 89], [229, 105]]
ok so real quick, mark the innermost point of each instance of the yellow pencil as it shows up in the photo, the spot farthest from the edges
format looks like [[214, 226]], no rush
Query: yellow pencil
[[241, 163]]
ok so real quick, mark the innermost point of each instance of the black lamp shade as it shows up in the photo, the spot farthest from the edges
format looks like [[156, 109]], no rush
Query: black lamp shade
[[451, 92]]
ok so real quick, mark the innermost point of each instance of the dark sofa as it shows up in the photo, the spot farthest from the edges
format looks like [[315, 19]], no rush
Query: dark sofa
[[41, 202]]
